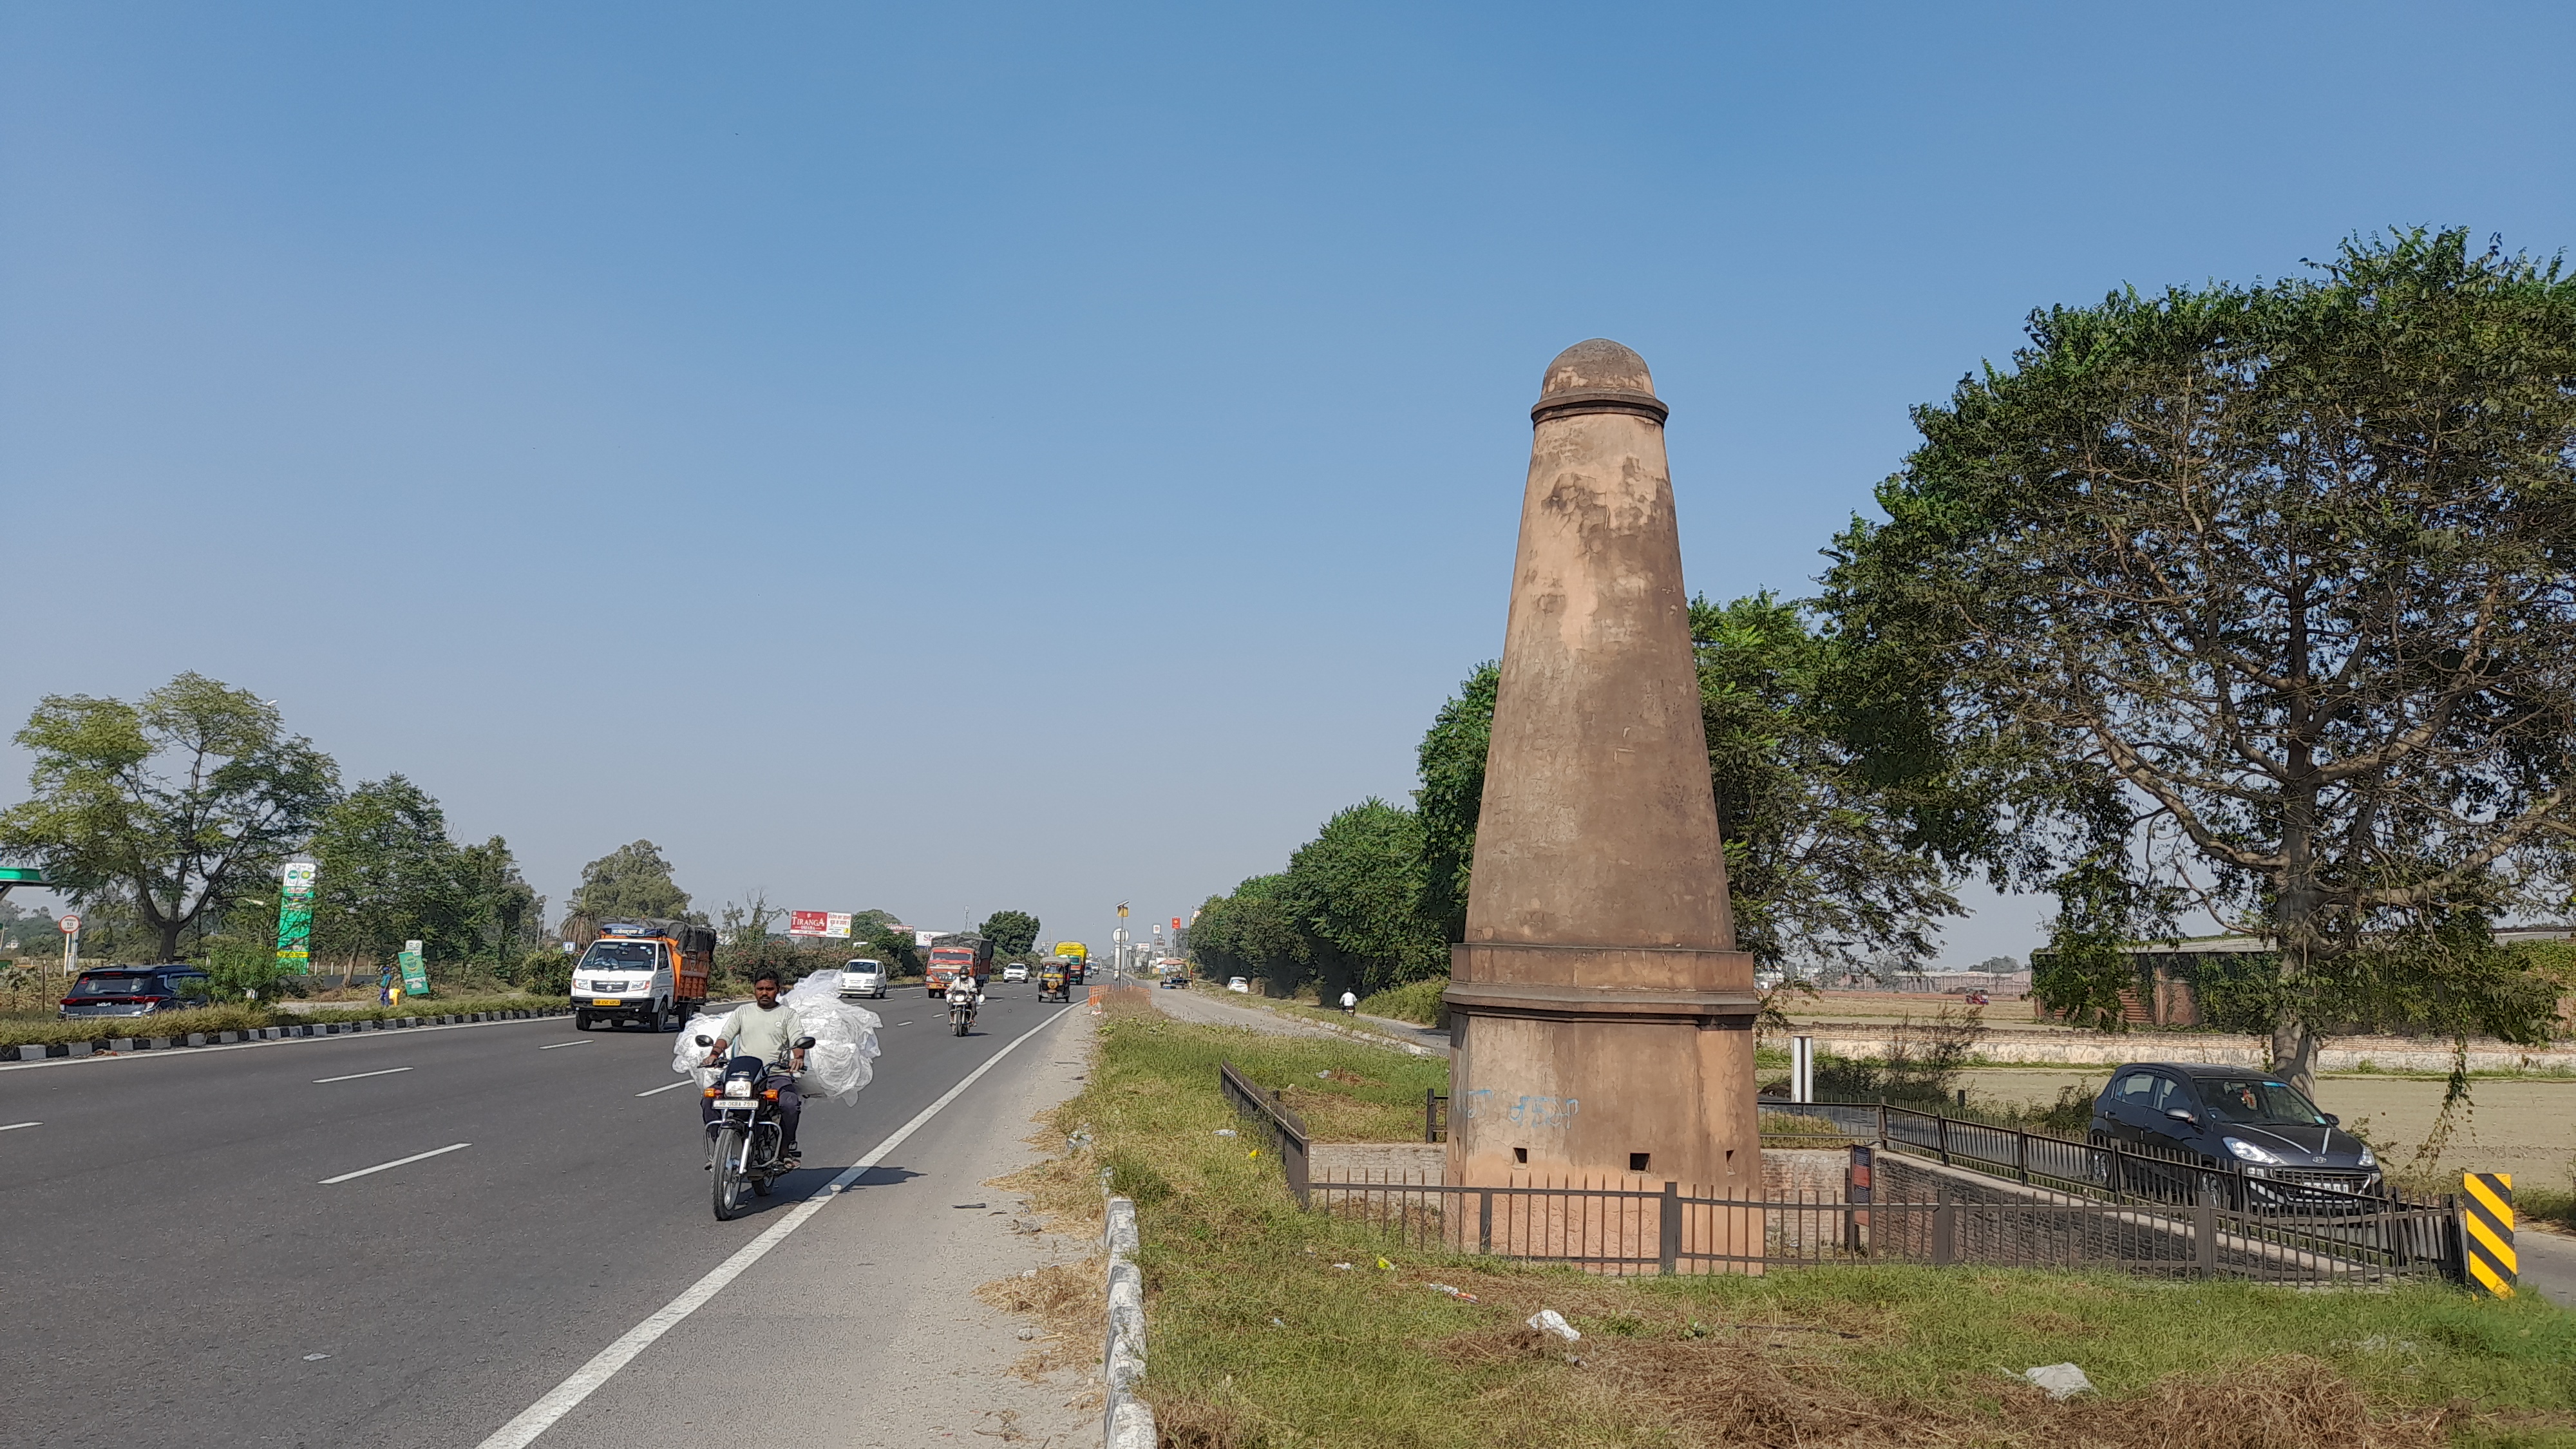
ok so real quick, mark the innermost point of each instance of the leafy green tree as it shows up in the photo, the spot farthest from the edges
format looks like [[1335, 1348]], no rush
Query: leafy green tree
[[1356, 891], [171, 805], [630, 882], [896, 948], [1011, 932], [1254, 931], [384, 873], [2261, 601], [1451, 767], [506, 916], [1825, 863]]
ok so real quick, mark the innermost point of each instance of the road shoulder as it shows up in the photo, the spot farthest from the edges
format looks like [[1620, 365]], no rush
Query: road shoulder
[[866, 1326]]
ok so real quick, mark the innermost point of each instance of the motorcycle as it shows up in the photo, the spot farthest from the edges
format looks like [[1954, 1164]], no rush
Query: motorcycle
[[744, 1142], [961, 1015]]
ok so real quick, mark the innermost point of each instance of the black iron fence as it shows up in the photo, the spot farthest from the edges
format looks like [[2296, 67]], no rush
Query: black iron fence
[[1999, 1196], [1647, 1231]]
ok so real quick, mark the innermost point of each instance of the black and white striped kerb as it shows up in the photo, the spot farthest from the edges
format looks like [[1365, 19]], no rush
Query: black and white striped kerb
[[118, 1046], [2486, 1222]]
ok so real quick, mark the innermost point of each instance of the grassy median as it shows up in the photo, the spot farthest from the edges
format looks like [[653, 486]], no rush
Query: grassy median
[[46, 1030], [1261, 1336]]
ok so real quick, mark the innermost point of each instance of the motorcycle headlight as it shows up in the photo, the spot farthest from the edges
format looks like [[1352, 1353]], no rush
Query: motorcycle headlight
[[738, 1087], [2249, 1152]]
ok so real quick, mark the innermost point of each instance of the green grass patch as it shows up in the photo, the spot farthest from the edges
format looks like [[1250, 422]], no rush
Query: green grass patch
[[2552, 1205], [1262, 1339]]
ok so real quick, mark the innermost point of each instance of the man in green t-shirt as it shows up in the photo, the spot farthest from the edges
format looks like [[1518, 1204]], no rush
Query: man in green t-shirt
[[763, 1029]]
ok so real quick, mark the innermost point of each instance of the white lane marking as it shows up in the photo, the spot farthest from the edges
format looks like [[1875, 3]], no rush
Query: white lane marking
[[353, 1076], [14, 1126], [673, 1087], [586, 1380], [397, 1162], [563, 1044]]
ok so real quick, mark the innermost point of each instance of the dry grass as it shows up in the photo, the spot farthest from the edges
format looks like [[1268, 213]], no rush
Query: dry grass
[[1065, 1302]]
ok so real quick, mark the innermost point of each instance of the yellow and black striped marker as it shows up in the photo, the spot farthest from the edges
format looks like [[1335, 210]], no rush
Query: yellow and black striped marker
[[2488, 1218]]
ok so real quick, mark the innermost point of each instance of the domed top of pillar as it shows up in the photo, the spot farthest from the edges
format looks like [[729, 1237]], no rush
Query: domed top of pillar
[[1598, 376]]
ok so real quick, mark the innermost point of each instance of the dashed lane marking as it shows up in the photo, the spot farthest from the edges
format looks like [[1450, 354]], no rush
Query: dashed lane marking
[[562, 1044], [397, 1162], [353, 1076], [673, 1087]]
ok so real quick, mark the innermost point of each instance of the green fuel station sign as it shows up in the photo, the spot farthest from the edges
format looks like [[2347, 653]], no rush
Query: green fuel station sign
[[295, 919]]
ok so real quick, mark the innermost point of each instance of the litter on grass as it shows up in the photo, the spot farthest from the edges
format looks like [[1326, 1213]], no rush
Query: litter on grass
[[1460, 1294], [1548, 1320], [1225, 1132], [2060, 1381]]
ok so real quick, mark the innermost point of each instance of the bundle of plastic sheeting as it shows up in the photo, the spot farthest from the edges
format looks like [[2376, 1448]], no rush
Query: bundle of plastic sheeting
[[686, 1054], [845, 1039]]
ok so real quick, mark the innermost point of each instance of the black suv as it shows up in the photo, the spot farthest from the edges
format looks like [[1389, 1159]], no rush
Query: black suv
[[135, 990], [2283, 1153]]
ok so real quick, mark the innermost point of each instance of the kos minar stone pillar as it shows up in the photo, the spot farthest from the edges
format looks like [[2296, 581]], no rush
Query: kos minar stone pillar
[[1602, 1017]]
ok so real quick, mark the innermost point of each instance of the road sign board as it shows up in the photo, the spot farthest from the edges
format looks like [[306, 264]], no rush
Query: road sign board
[[21, 875], [67, 924]]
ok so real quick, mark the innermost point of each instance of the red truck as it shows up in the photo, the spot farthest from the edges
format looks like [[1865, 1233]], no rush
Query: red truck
[[962, 951]]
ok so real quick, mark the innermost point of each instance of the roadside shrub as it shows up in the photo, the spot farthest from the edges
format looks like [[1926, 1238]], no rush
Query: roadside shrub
[[543, 973], [1414, 1001]]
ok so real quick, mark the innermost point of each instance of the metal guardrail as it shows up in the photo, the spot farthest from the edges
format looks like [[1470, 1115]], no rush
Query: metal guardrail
[[1269, 1115], [2113, 1171]]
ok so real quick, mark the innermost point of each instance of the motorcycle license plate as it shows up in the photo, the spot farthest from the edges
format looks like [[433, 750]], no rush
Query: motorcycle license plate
[[736, 1104], [606, 1001]]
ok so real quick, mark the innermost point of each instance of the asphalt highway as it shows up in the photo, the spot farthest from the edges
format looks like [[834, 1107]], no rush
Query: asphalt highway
[[196, 1253]]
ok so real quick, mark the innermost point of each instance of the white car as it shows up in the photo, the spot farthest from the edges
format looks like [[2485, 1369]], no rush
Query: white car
[[1015, 972], [1237, 983], [863, 978]]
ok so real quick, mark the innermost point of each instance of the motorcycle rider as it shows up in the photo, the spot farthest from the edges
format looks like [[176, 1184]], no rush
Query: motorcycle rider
[[963, 987], [760, 1031]]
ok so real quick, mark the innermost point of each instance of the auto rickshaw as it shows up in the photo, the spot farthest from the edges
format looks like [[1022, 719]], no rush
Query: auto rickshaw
[[1051, 984]]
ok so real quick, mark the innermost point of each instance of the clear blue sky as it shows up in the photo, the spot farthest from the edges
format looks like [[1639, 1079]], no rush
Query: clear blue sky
[[945, 458]]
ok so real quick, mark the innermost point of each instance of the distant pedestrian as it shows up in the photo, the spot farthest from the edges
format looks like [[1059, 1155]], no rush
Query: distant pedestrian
[[1350, 1004]]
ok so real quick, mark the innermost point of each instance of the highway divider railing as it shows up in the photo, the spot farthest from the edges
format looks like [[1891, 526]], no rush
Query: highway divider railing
[[1276, 1129], [118, 1045], [1638, 1230]]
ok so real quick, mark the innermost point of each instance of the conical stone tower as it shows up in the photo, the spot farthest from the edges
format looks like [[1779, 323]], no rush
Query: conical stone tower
[[1603, 1018]]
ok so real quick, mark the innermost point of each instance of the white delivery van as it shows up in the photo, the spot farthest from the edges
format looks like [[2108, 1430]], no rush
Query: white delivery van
[[863, 978]]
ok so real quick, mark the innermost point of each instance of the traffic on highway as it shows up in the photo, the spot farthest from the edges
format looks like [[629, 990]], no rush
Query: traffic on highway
[[421, 1237]]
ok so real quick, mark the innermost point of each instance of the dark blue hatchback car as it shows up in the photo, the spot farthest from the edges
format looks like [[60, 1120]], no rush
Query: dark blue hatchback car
[[2282, 1153]]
